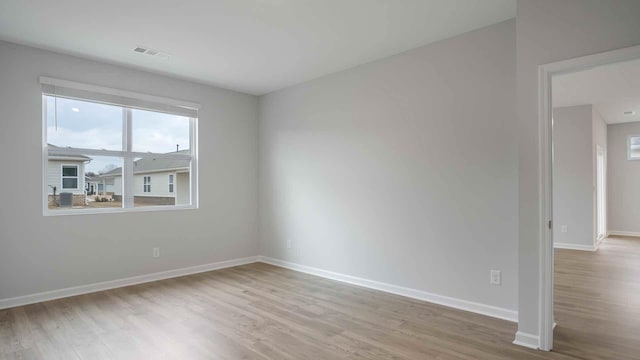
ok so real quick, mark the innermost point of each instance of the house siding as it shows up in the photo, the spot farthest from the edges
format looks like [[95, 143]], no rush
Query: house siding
[[159, 184], [54, 176], [183, 188], [159, 187]]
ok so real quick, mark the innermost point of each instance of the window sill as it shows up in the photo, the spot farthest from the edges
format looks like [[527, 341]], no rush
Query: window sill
[[66, 212]]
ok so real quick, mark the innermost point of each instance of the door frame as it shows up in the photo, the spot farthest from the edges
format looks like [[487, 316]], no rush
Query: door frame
[[545, 153], [601, 195]]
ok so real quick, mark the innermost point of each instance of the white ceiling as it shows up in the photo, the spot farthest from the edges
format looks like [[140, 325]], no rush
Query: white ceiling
[[611, 89], [253, 46]]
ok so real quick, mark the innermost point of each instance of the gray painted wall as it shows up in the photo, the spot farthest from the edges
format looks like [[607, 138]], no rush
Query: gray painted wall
[[624, 175], [549, 31], [573, 175], [403, 170], [63, 251]]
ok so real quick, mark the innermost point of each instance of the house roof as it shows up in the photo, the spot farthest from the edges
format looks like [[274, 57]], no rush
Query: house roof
[[56, 153], [153, 164]]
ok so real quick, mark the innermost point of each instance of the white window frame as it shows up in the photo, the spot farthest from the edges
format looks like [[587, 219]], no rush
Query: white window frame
[[172, 179], [146, 183], [629, 148], [62, 177], [126, 154]]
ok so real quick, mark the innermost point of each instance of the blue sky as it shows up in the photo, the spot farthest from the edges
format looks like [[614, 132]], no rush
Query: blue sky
[[98, 126]]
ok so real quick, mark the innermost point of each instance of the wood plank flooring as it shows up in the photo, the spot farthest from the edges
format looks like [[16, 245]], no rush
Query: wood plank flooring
[[259, 311], [597, 301]]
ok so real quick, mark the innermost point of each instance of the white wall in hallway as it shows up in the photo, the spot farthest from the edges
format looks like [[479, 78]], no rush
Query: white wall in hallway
[[624, 177], [573, 176]]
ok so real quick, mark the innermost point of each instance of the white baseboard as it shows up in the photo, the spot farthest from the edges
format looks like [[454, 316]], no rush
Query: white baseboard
[[568, 246], [488, 310], [527, 340], [112, 284], [624, 233]]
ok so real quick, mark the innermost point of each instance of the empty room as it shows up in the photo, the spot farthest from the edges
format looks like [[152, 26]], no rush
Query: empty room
[[319, 179]]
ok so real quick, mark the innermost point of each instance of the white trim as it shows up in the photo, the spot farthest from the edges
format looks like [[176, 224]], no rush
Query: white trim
[[575, 246], [629, 148], [146, 183], [475, 307], [45, 159], [112, 284], [545, 239], [120, 210], [600, 203], [117, 92], [194, 186], [478, 308], [128, 181], [545, 303], [62, 177], [623, 233], [527, 340], [127, 173]]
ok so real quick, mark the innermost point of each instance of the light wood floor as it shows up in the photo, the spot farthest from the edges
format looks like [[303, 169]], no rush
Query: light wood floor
[[597, 301], [259, 311]]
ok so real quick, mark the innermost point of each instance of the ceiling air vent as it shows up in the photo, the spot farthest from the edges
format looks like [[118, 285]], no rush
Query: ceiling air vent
[[150, 52]]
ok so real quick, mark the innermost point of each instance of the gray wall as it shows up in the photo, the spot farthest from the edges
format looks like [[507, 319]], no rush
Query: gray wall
[[624, 176], [403, 170], [549, 31], [62, 251], [573, 175]]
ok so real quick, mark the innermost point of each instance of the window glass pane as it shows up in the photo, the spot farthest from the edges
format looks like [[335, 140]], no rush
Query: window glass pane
[[96, 181], [634, 147], [159, 133], [82, 124], [75, 179], [152, 186], [69, 171], [69, 183]]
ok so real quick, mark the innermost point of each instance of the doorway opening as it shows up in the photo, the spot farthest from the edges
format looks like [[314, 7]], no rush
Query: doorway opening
[[587, 120]]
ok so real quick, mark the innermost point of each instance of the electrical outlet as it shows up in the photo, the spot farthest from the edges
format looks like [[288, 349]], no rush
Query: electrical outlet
[[496, 277], [564, 228], [288, 243], [156, 252]]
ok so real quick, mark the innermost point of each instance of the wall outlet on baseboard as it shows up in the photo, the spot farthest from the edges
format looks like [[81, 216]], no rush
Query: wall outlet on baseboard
[[564, 228], [156, 252], [496, 277]]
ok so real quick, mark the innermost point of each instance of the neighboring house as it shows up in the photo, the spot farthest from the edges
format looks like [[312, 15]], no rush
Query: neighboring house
[[92, 185], [65, 173], [156, 181]]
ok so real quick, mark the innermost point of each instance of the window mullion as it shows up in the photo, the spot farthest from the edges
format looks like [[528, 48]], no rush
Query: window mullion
[[127, 184], [193, 168]]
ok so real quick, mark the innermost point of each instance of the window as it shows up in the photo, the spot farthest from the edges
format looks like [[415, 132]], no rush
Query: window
[[69, 177], [633, 147], [147, 184], [113, 141]]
